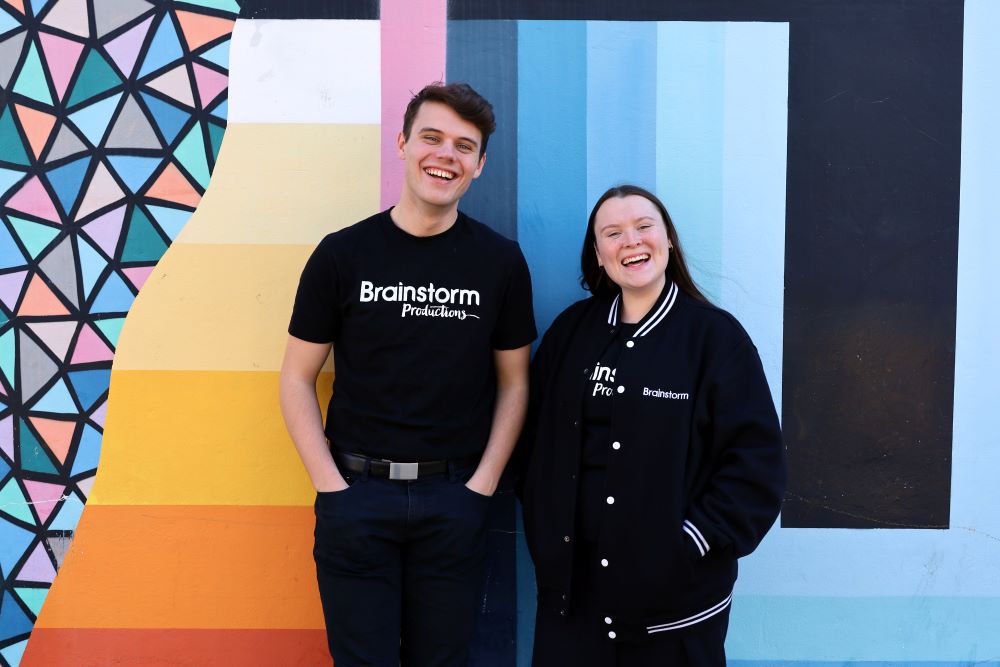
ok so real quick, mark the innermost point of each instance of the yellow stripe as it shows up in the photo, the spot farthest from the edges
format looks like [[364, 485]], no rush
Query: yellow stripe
[[213, 307], [288, 184], [199, 438]]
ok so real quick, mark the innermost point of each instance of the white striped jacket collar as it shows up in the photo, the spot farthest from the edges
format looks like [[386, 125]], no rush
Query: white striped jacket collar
[[656, 314]]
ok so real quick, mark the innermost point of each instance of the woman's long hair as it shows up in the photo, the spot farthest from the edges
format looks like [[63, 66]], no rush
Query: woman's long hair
[[593, 276]]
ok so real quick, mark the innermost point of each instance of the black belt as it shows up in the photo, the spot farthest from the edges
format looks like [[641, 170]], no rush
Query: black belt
[[384, 468]]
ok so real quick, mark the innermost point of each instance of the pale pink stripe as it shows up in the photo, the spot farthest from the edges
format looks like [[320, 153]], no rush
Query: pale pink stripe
[[413, 55]]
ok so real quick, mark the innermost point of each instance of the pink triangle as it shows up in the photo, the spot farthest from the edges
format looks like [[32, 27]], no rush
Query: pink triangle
[[137, 275], [103, 190], [7, 436], [176, 84], [210, 83], [90, 347], [10, 287], [56, 335], [62, 55], [38, 567], [99, 414], [124, 49], [45, 496], [34, 200], [106, 229]]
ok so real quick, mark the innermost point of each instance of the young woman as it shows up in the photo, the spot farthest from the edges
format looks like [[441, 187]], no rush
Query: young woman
[[653, 453]]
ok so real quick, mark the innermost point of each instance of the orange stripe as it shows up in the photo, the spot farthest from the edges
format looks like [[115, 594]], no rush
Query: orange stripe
[[71, 647], [196, 566]]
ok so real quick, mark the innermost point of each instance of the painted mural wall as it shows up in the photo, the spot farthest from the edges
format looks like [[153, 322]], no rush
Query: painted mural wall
[[830, 168]]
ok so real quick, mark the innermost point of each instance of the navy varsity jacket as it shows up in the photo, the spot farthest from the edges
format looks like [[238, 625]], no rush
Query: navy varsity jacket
[[695, 470]]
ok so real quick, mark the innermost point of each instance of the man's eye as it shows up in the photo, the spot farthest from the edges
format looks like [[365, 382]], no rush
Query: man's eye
[[464, 148], [430, 138]]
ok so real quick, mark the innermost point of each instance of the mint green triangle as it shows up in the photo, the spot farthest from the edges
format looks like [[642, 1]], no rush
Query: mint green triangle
[[96, 77], [224, 5], [33, 456], [32, 597], [7, 364], [11, 146], [143, 243], [13, 502], [31, 82], [112, 329], [191, 154], [215, 136], [35, 237]]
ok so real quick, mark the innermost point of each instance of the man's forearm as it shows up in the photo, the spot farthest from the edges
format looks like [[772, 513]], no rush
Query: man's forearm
[[304, 422], [508, 417]]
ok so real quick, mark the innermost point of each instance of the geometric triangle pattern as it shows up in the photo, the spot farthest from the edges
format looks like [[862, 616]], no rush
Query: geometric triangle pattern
[[110, 126]]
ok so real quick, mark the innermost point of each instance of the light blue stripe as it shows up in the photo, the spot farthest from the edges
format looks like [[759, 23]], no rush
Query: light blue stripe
[[975, 496], [895, 629], [853, 663], [552, 159], [621, 105], [689, 108], [755, 131]]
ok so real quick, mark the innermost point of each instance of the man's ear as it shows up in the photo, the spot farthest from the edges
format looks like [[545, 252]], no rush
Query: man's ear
[[400, 142], [479, 167]]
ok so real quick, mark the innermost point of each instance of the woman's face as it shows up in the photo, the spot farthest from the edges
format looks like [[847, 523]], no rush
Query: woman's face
[[632, 244]]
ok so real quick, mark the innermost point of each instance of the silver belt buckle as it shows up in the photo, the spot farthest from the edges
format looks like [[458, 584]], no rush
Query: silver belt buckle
[[403, 470]]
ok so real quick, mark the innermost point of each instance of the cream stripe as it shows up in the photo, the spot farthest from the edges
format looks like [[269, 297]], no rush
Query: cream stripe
[[213, 307], [288, 184]]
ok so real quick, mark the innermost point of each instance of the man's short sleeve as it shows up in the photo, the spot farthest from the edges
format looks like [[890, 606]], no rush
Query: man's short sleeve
[[516, 322], [316, 314]]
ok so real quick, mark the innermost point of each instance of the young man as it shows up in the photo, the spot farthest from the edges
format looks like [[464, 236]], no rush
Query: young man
[[430, 318]]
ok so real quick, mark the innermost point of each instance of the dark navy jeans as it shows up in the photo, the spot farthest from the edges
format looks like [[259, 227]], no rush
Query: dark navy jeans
[[400, 569]]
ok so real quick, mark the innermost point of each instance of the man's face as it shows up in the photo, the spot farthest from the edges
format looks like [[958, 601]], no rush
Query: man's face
[[441, 155]]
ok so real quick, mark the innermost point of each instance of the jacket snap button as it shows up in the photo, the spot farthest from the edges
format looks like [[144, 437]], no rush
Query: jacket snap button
[[566, 538], [611, 500], [607, 619], [629, 344], [621, 389], [616, 445], [604, 562], [565, 597], [562, 612], [612, 635]]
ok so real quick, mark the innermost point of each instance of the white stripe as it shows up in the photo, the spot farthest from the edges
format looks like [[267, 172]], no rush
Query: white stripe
[[698, 535], [305, 71], [695, 538], [661, 312], [613, 313], [691, 620]]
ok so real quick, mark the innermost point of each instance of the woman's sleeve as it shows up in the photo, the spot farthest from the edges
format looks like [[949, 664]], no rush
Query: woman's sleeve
[[742, 496]]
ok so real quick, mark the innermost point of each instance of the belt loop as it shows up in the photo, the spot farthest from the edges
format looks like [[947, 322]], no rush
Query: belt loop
[[452, 470], [368, 466]]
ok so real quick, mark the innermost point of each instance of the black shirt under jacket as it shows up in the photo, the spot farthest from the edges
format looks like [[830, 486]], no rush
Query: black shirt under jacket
[[695, 471]]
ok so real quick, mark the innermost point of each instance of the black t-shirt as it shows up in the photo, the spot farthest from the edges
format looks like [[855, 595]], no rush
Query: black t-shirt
[[414, 322]]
